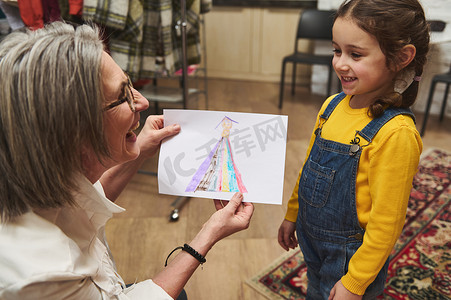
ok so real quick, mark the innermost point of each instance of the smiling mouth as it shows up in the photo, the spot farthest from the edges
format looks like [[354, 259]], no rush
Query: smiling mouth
[[131, 131], [348, 79]]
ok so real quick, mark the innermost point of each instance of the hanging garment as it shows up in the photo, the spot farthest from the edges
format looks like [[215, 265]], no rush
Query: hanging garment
[[205, 6], [75, 7], [64, 9], [192, 33], [12, 14], [110, 13], [125, 45], [32, 13], [144, 39], [51, 10]]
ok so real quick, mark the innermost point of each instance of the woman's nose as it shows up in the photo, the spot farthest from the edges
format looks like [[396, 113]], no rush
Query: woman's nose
[[141, 103]]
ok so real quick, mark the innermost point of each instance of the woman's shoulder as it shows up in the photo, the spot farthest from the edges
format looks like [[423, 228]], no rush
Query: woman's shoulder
[[34, 248]]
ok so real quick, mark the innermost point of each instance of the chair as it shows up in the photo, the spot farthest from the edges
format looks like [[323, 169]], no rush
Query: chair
[[443, 78], [313, 25]]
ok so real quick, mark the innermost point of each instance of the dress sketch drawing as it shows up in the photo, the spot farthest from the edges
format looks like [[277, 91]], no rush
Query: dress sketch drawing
[[218, 172]]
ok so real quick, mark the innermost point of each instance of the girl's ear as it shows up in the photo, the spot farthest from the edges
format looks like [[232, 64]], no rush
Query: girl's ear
[[406, 55]]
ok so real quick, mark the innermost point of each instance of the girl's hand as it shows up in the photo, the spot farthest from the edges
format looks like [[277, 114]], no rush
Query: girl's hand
[[287, 238], [339, 292]]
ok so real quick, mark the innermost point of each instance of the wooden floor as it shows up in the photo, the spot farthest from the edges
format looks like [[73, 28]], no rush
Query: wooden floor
[[143, 236]]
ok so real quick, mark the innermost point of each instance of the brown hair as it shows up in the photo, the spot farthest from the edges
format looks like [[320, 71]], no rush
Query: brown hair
[[50, 107], [395, 24]]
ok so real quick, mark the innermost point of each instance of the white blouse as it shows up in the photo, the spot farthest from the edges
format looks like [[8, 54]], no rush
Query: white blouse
[[61, 253]]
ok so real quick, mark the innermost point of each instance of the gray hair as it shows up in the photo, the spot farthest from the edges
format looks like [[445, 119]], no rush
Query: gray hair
[[50, 108]]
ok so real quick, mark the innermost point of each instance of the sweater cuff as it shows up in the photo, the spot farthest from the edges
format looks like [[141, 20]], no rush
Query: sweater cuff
[[292, 210], [291, 216], [352, 285]]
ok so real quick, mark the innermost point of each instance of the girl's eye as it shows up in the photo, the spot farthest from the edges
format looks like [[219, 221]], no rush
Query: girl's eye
[[336, 51], [356, 55]]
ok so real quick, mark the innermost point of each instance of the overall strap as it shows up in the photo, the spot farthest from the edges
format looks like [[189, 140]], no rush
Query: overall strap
[[332, 104], [373, 127]]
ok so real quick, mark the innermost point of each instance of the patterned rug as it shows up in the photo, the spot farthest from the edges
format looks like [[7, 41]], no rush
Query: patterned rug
[[420, 266]]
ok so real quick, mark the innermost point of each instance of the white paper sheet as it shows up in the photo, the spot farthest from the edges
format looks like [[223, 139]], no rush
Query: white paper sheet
[[217, 153]]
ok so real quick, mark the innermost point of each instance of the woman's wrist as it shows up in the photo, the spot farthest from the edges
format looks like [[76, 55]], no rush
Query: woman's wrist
[[202, 242]]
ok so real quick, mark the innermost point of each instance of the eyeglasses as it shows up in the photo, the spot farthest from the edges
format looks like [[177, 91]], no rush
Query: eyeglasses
[[127, 97]]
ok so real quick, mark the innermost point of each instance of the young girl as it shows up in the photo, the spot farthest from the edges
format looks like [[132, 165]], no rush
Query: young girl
[[348, 206]]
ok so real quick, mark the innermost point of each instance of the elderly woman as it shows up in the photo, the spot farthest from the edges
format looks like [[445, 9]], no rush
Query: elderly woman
[[67, 148]]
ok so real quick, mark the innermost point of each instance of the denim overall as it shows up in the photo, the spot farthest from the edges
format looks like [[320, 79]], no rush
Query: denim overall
[[328, 229]]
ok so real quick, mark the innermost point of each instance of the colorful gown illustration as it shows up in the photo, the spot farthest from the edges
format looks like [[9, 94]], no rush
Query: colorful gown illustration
[[218, 172]]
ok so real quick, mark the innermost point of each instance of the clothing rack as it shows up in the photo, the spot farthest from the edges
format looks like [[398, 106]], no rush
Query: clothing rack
[[177, 95], [157, 94]]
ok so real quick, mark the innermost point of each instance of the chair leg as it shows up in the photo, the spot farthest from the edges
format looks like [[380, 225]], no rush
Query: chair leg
[[293, 79], [428, 107], [282, 83], [329, 80], [445, 98], [157, 108]]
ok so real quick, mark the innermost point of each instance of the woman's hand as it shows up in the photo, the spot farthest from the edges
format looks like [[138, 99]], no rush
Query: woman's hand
[[152, 133], [149, 140], [339, 292], [287, 238], [231, 216]]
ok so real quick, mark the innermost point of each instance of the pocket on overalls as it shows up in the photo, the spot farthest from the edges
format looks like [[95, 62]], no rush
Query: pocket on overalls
[[315, 184]]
